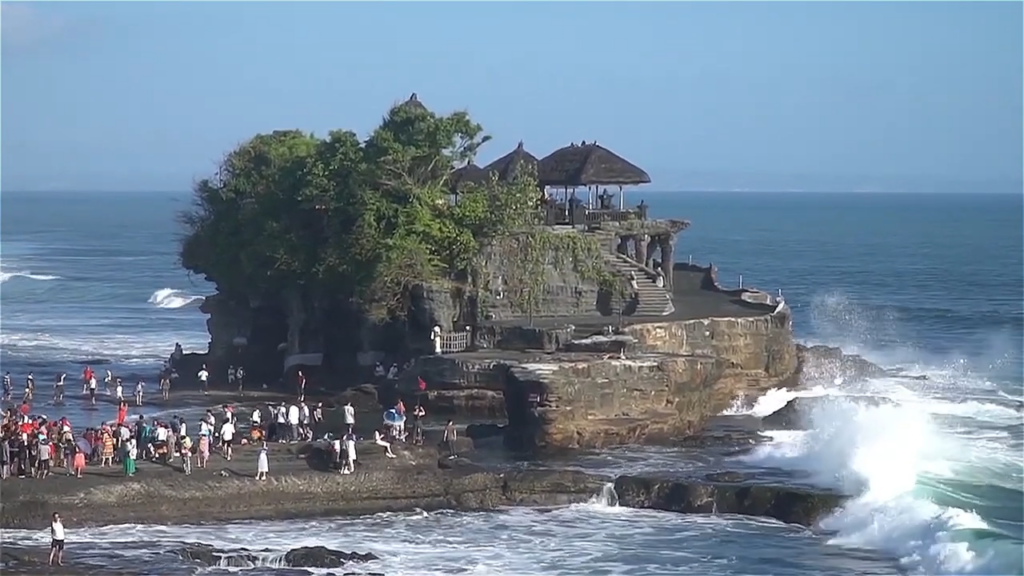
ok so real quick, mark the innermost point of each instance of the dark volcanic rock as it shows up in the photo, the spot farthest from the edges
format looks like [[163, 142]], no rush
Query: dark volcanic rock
[[829, 363], [791, 505], [363, 398], [321, 557], [484, 431], [305, 557], [797, 412]]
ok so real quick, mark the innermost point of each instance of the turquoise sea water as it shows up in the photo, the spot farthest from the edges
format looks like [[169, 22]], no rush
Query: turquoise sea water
[[932, 283]]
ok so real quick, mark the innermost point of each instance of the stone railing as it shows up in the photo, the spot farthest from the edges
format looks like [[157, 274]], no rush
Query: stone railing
[[579, 215], [453, 342]]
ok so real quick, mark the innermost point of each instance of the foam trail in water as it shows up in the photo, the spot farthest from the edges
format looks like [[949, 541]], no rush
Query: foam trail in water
[[171, 298], [5, 276]]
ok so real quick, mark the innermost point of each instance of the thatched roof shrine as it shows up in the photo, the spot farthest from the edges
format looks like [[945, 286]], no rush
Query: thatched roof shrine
[[588, 165], [413, 103], [509, 165], [468, 174]]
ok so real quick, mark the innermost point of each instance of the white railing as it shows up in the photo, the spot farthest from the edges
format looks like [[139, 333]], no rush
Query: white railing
[[453, 342]]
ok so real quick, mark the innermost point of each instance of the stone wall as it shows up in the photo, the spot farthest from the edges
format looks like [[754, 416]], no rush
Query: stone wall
[[564, 293]]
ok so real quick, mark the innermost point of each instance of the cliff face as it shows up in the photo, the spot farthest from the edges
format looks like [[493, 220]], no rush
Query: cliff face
[[653, 383]]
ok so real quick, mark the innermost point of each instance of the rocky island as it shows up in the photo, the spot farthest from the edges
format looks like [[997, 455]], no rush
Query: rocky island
[[521, 294], [522, 289]]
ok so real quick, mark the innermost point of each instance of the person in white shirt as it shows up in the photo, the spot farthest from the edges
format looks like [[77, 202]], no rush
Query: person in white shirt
[[350, 454], [231, 375], [304, 422], [182, 428], [139, 387], [393, 372], [256, 418], [281, 423], [204, 379], [293, 423], [378, 370], [119, 391], [107, 381], [92, 390], [227, 437], [350, 416], [56, 541]]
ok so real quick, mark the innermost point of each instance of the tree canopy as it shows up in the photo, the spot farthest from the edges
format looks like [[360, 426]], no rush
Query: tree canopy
[[347, 218]]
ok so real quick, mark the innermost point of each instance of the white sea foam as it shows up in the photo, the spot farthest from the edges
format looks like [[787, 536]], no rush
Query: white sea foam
[[129, 349], [171, 298], [948, 427], [5, 276], [591, 538]]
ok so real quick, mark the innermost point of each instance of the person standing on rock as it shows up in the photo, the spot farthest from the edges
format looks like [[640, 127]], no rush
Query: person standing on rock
[[262, 463], [204, 379], [350, 454], [350, 416], [131, 452], [239, 378], [56, 541], [231, 375], [227, 437], [450, 435], [301, 385]]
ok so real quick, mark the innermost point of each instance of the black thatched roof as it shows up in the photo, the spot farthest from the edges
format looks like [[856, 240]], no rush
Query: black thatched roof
[[588, 164], [509, 165], [468, 174], [414, 103]]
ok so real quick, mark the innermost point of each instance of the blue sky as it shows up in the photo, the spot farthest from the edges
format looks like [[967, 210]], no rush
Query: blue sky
[[768, 95]]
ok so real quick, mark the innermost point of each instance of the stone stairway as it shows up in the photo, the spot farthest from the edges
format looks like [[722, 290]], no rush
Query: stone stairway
[[653, 300]]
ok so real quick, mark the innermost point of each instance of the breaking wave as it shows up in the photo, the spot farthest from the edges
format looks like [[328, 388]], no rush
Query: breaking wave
[[171, 298], [934, 473]]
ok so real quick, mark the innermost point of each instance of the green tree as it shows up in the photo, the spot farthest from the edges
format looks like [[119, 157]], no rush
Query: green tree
[[344, 219]]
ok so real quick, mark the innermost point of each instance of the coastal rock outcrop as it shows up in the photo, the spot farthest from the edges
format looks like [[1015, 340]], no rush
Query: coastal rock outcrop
[[790, 505], [829, 363], [303, 557], [797, 413]]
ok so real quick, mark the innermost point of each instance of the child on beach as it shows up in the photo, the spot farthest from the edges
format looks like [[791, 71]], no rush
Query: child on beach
[[78, 464]]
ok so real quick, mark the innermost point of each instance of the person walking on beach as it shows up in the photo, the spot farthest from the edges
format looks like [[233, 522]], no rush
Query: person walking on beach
[[227, 436], [131, 452], [78, 462], [92, 390], [350, 454], [165, 386], [204, 379], [119, 391], [30, 387], [450, 435], [87, 375], [8, 387], [56, 541], [262, 463], [140, 386], [107, 380], [204, 449], [186, 454], [58, 388]]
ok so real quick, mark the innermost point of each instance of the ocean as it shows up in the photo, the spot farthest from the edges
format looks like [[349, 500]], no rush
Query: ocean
[[929, 283]]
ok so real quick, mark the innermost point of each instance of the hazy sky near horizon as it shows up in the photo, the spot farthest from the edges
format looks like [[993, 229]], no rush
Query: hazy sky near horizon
[[866, 96]]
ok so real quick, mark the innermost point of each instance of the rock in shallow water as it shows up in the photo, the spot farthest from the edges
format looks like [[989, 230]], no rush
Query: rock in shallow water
[[304, 557], [790, 505], [797, 413]]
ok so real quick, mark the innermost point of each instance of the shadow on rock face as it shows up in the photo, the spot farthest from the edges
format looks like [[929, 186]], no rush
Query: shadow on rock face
[[305, 557]]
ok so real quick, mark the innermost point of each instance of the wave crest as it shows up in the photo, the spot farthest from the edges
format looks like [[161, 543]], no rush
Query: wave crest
[[5, 276], [170, 298]]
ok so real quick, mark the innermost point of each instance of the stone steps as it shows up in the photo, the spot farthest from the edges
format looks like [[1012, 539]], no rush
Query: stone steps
[[652, 299]]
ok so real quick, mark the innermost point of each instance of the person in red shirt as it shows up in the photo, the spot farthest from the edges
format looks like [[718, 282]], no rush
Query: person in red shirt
[[24, 408], [122, 412], [87, 375]]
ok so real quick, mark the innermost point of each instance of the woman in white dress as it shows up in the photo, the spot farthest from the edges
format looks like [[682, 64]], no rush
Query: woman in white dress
[[262, 463]]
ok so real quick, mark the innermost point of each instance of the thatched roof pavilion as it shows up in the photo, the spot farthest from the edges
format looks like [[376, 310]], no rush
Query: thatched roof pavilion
[[413, 103], [509, 165], [588, 165], [468, 174]]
